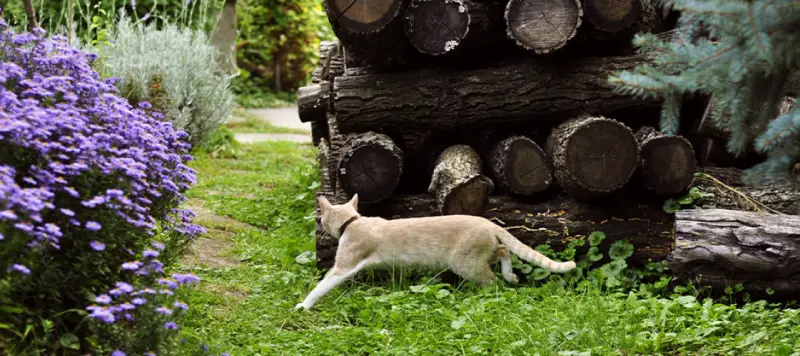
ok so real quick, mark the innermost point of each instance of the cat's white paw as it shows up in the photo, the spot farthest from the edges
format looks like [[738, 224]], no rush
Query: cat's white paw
[[302, 306], [512, 278]]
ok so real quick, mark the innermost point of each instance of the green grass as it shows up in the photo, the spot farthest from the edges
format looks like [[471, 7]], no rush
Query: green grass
[[248, 309], [246, 122]]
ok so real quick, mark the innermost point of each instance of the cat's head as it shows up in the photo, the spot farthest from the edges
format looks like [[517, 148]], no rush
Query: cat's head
[[334, 216]]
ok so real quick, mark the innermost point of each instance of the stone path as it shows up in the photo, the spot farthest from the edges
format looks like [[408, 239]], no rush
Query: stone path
[[282, 117]]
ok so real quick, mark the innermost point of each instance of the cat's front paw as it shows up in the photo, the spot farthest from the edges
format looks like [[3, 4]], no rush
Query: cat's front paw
[[512, 278], [301, 306]]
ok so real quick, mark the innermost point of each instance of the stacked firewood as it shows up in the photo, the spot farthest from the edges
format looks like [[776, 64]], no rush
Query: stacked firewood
[[503, 109]]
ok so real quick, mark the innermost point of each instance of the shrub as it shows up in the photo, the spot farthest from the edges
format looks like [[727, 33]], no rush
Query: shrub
[[283, 32], [87, 184], [174, 69]]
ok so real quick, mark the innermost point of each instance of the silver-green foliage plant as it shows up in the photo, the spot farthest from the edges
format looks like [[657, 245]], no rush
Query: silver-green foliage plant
[[172, 68]]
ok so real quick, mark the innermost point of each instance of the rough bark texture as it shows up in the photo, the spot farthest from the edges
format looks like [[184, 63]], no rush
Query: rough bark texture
[[224, 38], [592, 156], [543, 26], [319, 130], [439, 27], [520, 166], [721, 248], [524, 92], [556, 222], [324, 175], [667, 162], [457, 182], [336, 141], [311, 104], [371, 31], [731, 193], [370, 165]]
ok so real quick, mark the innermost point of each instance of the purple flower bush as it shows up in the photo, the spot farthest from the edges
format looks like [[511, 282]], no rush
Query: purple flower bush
[[90, 189]]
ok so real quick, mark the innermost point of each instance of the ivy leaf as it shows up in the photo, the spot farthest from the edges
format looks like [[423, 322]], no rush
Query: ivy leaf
[[671, 206], [540, 274], [458, 323], [595, 254], [420, 288], [685, 200], [620, 250], [526, 268], [306, 258], [442, 293], [70, 341], [596, 237], [614, 268]]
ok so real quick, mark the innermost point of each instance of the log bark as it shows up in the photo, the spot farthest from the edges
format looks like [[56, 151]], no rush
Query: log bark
[[592, 156], [457, 182], [371, 31], [543, 26], [322, 158], [438, 27], [520, 166], [721, 248], [731, 193], [667, 162], [311, 103], [336, 141], [556, 222], [522, 93], [370, 165]]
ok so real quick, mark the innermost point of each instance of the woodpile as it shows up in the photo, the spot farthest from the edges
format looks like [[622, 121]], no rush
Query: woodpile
[[503, 109]]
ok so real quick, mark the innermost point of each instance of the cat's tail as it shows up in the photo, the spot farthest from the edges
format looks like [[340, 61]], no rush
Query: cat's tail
[[528, 254]]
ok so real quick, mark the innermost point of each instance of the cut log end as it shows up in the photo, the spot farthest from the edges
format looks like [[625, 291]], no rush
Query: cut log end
[[370, 166], [436, 26], [612, 15], [457, 182], [520, 166], [668, 162], [543, 26], [593, 155], [363, 16]]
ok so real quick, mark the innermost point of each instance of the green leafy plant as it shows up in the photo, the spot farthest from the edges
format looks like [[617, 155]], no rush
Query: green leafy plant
[[688, 199]]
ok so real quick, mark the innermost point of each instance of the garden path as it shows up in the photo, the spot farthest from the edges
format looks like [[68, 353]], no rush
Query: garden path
[[279, 117]]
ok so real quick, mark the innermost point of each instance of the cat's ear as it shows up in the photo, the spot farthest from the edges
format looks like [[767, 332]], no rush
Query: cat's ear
[[354, 201], [324, 204]]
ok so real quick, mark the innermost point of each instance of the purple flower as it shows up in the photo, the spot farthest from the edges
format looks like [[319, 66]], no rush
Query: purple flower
[[127, 306], [1, 236], [93, 225], [149, 354], [185, 278], [103, 299], [138, 301], [124, 287], [157, 245], [170, 325], [8, 215], [20, 268], [164, 310], [180, 305], [97, 245], [149, 253], [117, 353], [132, 266]]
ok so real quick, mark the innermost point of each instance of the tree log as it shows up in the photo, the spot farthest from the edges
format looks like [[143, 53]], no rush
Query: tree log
[[523, 92], [370, 165], [667, 162], [721, 248], [592, 156], [520, 166], [336, 141], [319, 130], [555, 222], [311, 104], [439, 27], [457, 182], [324, 174], [612, 19], [731, 193], [543, 26], [371, 31]]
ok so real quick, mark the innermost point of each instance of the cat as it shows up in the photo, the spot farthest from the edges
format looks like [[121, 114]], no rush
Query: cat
[[467, 245]]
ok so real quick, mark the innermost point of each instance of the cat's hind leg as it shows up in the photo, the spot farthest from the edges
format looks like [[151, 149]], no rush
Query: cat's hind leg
[[336, 276], [505, 264]]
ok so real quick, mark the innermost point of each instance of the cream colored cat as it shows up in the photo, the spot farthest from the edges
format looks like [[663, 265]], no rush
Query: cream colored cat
[[467, 245]]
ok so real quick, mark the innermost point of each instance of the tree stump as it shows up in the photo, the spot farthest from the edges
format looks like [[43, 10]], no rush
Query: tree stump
[[520, 166], [667, 162], [457, 182], [592, 156], [370, 165], [543, 26], [311, 103], [438, 27], [721, 248]]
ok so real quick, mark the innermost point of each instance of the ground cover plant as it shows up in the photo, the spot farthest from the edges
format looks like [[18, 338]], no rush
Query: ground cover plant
[[261, 208], [90, 216]]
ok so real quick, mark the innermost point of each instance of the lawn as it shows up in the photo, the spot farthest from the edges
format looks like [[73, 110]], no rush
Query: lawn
[[259, 211]]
